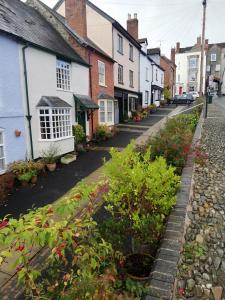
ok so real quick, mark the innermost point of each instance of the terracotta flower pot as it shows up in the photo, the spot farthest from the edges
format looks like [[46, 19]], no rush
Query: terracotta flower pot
[[34, 179], [51, 167]]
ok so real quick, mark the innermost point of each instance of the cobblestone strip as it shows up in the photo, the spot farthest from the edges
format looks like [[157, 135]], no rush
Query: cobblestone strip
[[165, 266], [201, 269], [8, 278]]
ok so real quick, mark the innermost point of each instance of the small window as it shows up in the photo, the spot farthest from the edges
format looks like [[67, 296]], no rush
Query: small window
[[63, 75], [178, 77], [213, 57], [146, 97], [131, 52], [208, 68], [2, 153], [120, 44], [106, 111], [55, 123], [131, 78], [156, 75], [120, 74], [217, 68], [147, 74], [193, 62], [101, 73], [161, 78]]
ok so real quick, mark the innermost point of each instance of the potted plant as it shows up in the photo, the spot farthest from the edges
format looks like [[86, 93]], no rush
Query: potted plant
[[25, 178], [34, 177], [79, 137], [50, 158]]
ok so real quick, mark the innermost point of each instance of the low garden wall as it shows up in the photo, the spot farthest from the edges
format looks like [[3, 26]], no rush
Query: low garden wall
[[165, 267]]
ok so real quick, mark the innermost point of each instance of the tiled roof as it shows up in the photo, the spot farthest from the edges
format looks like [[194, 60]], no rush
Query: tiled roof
[[52, 101], [168, 60], [25, 23]]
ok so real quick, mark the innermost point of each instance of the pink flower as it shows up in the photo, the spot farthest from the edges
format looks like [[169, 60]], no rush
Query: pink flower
[[3, 224]]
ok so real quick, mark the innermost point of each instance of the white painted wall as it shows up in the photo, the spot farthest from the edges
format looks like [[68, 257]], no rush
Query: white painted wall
[[41, 70], [144, 84], [123, 59], [181, 60]]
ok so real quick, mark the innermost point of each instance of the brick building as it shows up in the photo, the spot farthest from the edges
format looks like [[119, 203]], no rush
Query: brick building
[[71, 23], [170, 72]]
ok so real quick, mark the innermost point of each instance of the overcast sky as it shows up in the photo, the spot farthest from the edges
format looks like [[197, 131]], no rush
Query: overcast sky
[[167, 21]]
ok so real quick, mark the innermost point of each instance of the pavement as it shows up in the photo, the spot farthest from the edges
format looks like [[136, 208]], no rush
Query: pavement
[[220, 103], [51, 187]]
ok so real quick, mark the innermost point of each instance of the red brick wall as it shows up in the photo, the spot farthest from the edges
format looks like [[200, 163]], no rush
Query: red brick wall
[[96, 88], [169, 76], [132, 27], [6, 185], [76, 16]]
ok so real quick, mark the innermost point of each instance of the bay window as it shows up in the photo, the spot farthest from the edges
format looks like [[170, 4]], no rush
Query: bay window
[[2, 153], [106, 111], [55, 123]]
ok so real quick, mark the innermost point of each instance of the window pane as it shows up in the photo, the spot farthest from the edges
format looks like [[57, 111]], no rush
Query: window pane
[[63, 75], [1, 138]]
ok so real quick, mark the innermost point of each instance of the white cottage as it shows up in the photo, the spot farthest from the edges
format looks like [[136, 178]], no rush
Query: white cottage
[[51, 75]]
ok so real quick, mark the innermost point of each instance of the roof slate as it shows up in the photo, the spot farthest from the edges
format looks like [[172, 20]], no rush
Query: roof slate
[[26, 24], [51, 101]]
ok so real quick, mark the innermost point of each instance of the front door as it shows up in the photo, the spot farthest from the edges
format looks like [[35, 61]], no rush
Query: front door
[[116, 111], [81, 119]]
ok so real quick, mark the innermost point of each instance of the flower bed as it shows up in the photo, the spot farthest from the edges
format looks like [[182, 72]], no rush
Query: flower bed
[[87, 260]]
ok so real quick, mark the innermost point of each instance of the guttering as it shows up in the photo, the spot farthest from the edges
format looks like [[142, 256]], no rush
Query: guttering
[[28, 116]]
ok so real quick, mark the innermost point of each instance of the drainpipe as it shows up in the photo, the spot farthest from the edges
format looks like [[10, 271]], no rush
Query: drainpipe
[[29, 117], [90, 84]]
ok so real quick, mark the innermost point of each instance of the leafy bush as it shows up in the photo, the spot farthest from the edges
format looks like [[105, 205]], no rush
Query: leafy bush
[[25, 176], [141, 193], [24, 167], [79, 134], [167, 93], [102, 133], [174, 141]]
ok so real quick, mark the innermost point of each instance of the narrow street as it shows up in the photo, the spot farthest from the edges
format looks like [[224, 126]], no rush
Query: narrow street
[[50, 186]]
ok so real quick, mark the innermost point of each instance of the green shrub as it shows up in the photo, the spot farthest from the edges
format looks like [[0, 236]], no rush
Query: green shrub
[[50, 155], [102, 133], [174, 141], [79, 134], [26, 176], [141, 193]]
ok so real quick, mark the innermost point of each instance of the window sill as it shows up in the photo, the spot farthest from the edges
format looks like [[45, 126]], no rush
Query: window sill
[[66, 91], [103, 85], [131, 60], [122, 83], [107, 123], [131, 86], [120, 52], [146, 80], [57, 140], [2, 172]]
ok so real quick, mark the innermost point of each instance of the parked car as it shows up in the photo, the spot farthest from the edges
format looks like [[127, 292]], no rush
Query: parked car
[[183, 99], [195, 95]]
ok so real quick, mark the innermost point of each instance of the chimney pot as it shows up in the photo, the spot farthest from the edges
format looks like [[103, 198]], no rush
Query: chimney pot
[[178, 47], [135, 16], [129, 16]]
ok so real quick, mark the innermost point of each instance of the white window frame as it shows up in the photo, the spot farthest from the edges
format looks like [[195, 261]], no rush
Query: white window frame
[[131, 52], [101, 73], [120, 76], [106, 112], [193, 62], [65, 130], [63, 75], [213, 57], [120, 44], [2, 171], [131, 78]]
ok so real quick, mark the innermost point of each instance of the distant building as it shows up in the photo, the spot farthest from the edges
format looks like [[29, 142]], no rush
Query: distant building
[[215, 66], [170, 72], [188, 61]]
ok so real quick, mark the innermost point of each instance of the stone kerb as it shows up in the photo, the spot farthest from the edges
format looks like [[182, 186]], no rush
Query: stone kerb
[[164, 271]]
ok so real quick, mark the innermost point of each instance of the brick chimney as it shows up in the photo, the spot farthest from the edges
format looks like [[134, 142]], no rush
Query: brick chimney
[[173, 53], [132, 26], [76, 16], [178, 47]]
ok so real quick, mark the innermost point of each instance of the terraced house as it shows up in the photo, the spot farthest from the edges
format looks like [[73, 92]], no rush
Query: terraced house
[[98, 107], [42, 77], [117, 43]]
